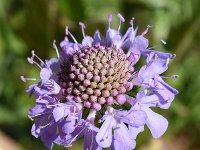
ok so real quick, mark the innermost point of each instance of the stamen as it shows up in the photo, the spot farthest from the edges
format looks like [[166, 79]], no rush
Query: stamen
[[121, 19], [55, 47], [27, 79], [59, 104], [73, 139], [109, 20], [31, 118], [92, 140], [41, 127], [69, 33], [82, 28], [33, 53], [31, 61], [162, 42], [167, 62], [131, 21], [146, 31], [156, 57], [173, 76], [126, 35]]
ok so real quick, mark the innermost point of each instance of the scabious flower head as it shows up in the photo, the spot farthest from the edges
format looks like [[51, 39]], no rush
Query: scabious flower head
[[83, 92]]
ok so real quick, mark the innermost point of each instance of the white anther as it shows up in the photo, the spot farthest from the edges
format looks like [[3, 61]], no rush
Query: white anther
[[121, 19], [109, 19], [34, 55], [56, 49], [131, 21], [163, 42], [173, 76], [82, 28], [69, 33], [26, 79], [146, 30]]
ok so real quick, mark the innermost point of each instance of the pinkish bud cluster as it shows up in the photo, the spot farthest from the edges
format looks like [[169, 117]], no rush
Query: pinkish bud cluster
[[98, 75]]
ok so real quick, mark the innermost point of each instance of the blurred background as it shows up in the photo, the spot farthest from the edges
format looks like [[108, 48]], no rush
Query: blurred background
[[26, 25]]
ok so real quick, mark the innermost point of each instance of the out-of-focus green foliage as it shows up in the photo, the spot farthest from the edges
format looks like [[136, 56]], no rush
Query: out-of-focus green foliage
[[27, 25]]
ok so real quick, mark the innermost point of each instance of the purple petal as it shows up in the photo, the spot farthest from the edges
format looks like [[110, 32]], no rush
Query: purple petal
[[113, 37], [69, 125], [128, 42], [104, 136], [134, 56], [45, 74], [139, 43], [156, 123], [162, 55], [171, 89], [134, 131], [31, 89], [53, 64], [69, 51], [130, 100], [122, 138], [148, 100], [48, 135], [165, 94], [40, 90], [90, 141], [35, 131], [97, 37], [69, 48], [133, 117], [38, 109], [156, 67], [60, 112], [161, 94], [87, 41], [76, 134]]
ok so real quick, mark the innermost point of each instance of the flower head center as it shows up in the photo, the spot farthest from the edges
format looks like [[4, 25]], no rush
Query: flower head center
[[97, 75]]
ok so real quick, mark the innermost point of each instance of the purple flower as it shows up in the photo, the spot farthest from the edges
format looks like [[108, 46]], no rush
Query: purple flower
[[155, 122], [117, 120], [83, 92], [85, 128]]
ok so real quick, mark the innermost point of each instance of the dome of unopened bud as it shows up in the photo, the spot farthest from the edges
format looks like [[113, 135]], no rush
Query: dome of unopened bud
[[93, 85], [93, 98], [121, 99], [116, 85], [114, 92], [103, 71], [108, 86], [87, 104], [97, 92], [89, 91], [81, 77], [86, 82], [109, 100], [122, 89], [105, 93], [84, 96], [98, 65], [101, 100], [97, 106], [77, 99], [129, 86], [89, 75], [96, 78], [100, 86], [84, 70], [72, 76]]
